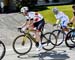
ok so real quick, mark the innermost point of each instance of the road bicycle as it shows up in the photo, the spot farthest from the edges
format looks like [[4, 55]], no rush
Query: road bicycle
[[22, 44], [2, 50]]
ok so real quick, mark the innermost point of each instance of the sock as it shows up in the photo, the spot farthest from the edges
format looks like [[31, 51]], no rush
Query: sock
[[39, 43], [66, 32]]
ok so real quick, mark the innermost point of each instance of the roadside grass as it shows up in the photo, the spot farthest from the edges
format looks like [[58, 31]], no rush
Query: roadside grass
[[49, 15]]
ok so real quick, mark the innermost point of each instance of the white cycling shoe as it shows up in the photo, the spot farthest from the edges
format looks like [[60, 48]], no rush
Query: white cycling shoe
[[39, 48]]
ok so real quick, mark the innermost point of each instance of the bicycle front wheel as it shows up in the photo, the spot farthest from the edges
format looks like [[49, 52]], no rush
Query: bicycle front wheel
[[22, 44], [70, 39], [2, 50], [47, 38], [60, 36]]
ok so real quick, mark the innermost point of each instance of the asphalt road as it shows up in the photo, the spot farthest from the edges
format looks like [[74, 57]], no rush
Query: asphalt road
[[59, 53], [8, 31]]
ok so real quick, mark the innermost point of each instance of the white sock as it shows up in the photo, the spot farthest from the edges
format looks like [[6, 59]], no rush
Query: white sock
[[40, 43], [66, 32]]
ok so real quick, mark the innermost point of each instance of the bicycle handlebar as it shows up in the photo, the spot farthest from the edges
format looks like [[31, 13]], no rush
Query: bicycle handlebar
[[19, 29]]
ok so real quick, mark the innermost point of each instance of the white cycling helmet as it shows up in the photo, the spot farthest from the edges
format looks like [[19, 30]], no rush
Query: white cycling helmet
[[24, 9], [55, 10]]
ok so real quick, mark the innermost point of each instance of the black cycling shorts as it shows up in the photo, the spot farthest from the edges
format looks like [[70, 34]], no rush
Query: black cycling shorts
[[39, 25]]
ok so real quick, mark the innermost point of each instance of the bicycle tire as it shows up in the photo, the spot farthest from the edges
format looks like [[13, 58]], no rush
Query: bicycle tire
[[22, 53], [69, 41], [73, 31], [59, 33], [48, 41], [4, 50]]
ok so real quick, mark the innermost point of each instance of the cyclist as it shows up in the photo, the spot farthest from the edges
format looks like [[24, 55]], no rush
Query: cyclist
[[73, 18], [62, 18], [35, 22]]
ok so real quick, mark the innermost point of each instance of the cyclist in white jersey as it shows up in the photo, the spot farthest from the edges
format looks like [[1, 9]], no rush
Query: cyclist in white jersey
[[63, 18], [35, 22]]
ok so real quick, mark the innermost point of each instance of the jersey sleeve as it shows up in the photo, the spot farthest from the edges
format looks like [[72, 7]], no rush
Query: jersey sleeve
[[27, 18], [31, 15], [59, 15]]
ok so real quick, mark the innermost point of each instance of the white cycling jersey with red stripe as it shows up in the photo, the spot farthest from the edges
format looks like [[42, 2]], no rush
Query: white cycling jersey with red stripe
[[35, 16]]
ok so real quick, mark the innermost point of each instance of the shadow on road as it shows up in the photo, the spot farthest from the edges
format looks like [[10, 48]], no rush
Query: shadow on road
[[52, 55]]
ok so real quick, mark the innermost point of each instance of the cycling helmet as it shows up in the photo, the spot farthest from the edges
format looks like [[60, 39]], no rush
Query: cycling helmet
[[55, 10], [24, 9]]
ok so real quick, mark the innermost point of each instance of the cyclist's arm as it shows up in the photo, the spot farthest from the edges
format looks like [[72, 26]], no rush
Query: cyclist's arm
[[31, 22], [57, 19], [73, 19], [26, 23], [57, 22]]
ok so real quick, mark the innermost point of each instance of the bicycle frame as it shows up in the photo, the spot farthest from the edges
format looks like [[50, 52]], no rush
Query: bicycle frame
[[58, 26], [27, 34]]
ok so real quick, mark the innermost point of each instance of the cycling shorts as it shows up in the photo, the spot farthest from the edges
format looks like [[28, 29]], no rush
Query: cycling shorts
[[64, 24], [39, 25]]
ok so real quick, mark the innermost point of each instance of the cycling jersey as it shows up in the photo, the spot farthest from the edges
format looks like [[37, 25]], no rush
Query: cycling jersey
[[64, 20], [36, 17], [38, 20]]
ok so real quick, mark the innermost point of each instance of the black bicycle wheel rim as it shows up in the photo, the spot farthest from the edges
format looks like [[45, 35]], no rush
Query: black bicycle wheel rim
[[15, 48], [50, 41], [68, 38], [60, 32], [4, 50]]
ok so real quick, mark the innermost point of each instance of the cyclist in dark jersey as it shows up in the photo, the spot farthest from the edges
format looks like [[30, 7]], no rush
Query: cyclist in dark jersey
[[73, 18]]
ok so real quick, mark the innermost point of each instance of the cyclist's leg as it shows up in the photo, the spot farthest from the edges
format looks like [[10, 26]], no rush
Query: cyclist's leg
[[39, 25], [64, 26]]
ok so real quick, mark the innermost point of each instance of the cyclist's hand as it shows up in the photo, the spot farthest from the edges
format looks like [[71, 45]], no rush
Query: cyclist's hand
[[54, 24], [70, 24], [19, 29]]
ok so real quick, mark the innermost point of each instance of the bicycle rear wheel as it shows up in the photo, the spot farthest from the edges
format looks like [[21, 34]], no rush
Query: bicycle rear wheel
[[60, 36], [70, 39], [2, 50], [47, 38], [22, 44]]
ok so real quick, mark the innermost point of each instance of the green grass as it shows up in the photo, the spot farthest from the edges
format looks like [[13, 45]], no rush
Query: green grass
[[49, 15]]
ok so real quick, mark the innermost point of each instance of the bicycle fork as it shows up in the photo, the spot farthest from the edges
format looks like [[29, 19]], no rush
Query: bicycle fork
[[24, 40]]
